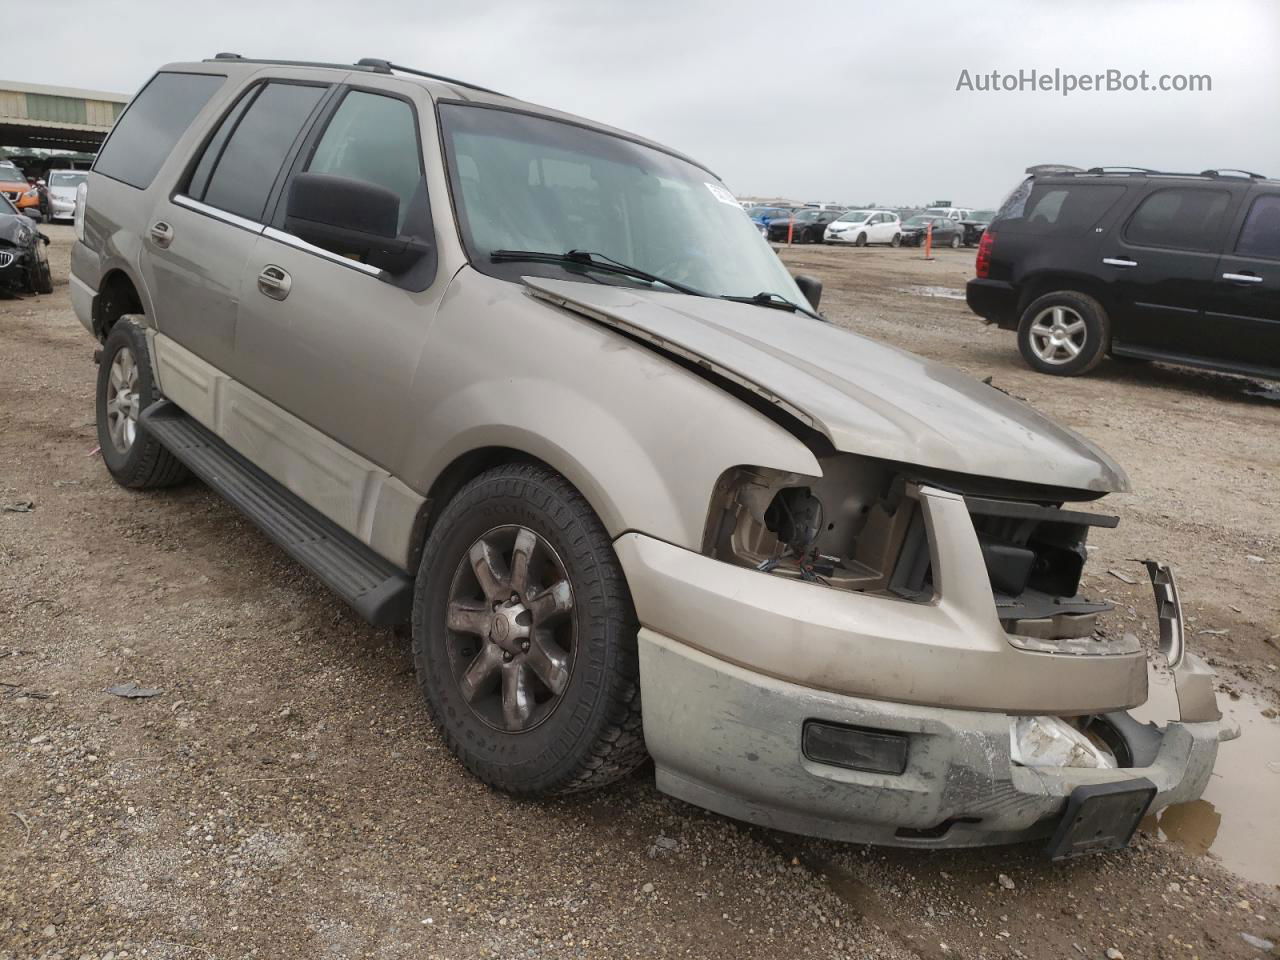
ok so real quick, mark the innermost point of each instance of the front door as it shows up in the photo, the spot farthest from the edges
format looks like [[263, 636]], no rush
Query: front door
[[332, 341], [1160, 268], [1243, 314]]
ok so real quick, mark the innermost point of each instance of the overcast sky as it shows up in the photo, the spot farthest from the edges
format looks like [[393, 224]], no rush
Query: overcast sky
[[851, 101]]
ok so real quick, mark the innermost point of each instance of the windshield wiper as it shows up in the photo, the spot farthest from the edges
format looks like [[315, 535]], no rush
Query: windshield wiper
[[777, 301], [596, 261]]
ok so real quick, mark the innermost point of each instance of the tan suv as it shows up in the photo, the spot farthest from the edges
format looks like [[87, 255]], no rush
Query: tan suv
[[539, 387]]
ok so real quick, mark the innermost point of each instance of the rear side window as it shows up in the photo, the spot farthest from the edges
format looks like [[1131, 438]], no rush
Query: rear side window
[[1260, 235], [242, 160], [155, 119], [1183, 218], [373, 139], [1058, 207]]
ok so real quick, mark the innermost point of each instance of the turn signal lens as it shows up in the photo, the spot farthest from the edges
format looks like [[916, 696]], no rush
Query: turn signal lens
[[855, 748]]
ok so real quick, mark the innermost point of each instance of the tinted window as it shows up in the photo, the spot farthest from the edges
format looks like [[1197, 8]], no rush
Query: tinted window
[[247, 169], [1058, 208], [1180, 217], [148, 129], [1260, 236], [374, 139]]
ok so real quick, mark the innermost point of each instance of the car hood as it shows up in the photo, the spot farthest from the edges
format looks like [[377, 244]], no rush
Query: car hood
[[866, 397], [17, 230]]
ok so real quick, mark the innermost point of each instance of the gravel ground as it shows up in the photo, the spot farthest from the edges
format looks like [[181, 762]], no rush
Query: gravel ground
[[285, 796]]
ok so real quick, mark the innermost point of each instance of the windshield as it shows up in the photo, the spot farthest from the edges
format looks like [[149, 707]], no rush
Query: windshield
[[66, 178], [855, 216], [920, 221], [987, 215], [523, 182], [6, 206], [11, 175]]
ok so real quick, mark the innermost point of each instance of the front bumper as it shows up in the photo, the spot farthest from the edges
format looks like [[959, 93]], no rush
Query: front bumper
[[734, 662], [729, 739], [61, 209]]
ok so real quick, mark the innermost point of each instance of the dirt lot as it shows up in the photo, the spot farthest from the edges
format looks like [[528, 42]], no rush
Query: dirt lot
[[286, 797]]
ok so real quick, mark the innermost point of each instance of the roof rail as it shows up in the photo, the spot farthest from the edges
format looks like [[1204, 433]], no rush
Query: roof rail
[[1229, 171], [1097, 170], [386, 66], [369, 67]]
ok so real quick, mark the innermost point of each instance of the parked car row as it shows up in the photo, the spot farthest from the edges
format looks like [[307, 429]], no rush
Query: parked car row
[[1181, 268]]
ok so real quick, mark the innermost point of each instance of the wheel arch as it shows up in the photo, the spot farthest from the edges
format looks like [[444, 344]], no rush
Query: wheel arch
[[1051, 281], [118, 295]]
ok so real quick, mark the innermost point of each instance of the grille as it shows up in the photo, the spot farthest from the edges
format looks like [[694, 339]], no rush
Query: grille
[[6, 258]]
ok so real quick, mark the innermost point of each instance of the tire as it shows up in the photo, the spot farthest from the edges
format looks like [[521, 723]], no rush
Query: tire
[[861, 241], [955, 241], [896, 241], [589, 733], [133, 458], [40, 278], [1051, 321]]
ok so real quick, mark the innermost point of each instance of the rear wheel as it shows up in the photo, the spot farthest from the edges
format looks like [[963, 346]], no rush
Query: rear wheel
[[524, 636], [1064, 333], [955, 241], [126, 387]]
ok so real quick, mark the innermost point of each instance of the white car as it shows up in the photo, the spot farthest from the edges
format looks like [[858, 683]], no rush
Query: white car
[[861, 227], [62, 192], [950, 213]]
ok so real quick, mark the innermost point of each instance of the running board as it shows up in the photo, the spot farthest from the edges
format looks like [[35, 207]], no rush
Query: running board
[[379, 591]]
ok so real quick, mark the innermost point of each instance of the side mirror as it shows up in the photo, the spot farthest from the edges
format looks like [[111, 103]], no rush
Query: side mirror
[[811, 287], [351, 218]]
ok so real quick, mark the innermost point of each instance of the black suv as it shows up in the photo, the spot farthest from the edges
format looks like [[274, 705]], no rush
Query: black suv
[[1128, 262]]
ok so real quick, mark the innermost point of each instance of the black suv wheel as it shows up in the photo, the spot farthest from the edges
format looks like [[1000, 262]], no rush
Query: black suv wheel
[[524, 636], [1064, 333]]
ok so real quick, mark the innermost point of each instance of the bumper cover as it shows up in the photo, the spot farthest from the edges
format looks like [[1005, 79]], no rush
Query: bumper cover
[[994, 300], [729, 739]]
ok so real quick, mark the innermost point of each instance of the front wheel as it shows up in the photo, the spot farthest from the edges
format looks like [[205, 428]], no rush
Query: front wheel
[[1064, 333], [862, 240], [40, 279], [955, 241], [524, 636]]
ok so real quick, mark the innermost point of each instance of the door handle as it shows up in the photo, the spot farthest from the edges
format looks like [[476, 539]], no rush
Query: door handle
[[1119, 262], [161, 234], [1242, 277], [274, 282]]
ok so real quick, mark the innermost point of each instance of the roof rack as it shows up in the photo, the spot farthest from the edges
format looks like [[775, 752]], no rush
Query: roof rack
[[368, 64], [296, 63], [1229, 171], [1220, 174], [386, 66]]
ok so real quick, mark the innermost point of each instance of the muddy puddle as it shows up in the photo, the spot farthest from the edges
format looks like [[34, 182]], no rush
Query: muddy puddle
[[1235, 820], [920, 290]]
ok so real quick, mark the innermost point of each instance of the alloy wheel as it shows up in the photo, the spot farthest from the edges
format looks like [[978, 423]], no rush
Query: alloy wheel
[[122, 400], [1058, 335], [511, 631]]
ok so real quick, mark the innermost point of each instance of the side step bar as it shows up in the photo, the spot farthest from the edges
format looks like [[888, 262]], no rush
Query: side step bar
[[379, 591]]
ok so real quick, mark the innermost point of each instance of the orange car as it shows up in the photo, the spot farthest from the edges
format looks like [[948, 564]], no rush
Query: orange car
[[16, 188]]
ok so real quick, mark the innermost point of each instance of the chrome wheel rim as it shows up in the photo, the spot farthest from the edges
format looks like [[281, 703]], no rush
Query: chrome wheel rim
[[122, 400], [510, 629], [1058, 335]]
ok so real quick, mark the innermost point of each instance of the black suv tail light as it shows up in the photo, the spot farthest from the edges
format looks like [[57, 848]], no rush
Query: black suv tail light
[[983, 265]]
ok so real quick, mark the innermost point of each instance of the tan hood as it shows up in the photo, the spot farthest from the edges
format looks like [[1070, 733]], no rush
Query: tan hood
[[866, 397]]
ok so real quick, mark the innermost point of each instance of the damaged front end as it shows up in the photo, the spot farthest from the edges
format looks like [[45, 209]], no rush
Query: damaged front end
[[888, 655]]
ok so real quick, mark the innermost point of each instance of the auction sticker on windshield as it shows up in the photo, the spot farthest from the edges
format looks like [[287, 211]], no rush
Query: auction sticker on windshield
[[721, 194]]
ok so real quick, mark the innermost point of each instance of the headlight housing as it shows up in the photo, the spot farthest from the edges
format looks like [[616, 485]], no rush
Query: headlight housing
[[845, 529], [82, 198]]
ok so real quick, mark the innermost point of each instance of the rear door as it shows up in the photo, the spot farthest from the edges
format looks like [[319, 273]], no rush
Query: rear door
[[1160, 267], [200, 238], [1243, 314]]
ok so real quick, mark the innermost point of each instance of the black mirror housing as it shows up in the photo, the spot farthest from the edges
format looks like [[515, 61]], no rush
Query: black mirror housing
[[811, 287], [351, 218]]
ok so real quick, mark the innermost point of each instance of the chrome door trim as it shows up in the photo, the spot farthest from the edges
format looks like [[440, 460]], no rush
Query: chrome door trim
[[1242, 277], [290, 240], [1117, 262], [243, 223]]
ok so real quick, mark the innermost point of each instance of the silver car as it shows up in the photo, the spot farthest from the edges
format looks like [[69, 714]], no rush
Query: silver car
[[538, 388], [62, 186]]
